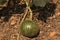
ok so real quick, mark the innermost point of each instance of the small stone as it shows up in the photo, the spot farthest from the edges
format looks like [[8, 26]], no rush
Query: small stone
[[13, 22]]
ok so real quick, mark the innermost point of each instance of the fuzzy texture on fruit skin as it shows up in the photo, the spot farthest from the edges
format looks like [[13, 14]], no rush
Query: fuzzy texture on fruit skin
[[29, 28]]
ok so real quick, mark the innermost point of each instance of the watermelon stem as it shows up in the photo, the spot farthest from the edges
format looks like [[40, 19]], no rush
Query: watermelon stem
[[26, 12]]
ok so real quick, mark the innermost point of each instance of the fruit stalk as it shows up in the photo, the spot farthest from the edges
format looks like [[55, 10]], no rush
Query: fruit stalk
[[24, 16], [30, 11], [30, 18], [26, 11]]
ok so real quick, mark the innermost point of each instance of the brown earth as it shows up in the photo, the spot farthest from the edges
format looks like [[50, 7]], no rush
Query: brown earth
[[49, 30]]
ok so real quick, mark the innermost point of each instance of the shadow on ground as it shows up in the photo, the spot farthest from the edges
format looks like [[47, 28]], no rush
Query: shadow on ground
[[47, 11], [44, 13], [11, 9]]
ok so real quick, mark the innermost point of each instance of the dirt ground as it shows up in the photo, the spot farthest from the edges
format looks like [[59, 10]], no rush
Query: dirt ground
[[49, 27]]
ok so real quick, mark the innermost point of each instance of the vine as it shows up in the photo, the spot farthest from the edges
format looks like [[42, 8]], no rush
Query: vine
[[26, 12]]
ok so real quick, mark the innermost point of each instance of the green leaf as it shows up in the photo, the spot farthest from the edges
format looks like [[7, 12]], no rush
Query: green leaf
[[40, 3]]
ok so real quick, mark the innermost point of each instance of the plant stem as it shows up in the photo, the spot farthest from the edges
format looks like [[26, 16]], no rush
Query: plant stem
[[17, 36], [26, 11], [24, 15], [30, 11], [30, 18]]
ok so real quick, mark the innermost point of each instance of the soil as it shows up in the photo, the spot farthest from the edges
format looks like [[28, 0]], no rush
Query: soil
[[49, 25]]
